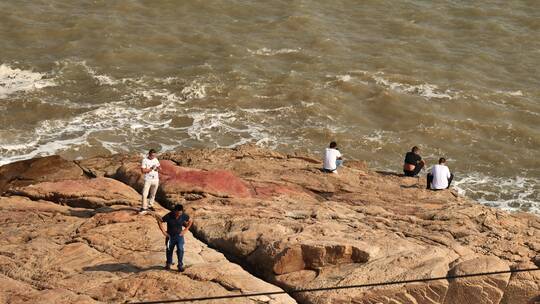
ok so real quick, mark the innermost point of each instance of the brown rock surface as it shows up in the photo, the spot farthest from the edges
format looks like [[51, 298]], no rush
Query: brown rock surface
[[356, 227], [105, 166], [60, 254], [286, 221], [31, 171], [87, 193]]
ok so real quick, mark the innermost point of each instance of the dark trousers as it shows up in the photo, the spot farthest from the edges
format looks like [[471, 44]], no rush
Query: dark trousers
[[416, 170], [178, 242], [430, 180]]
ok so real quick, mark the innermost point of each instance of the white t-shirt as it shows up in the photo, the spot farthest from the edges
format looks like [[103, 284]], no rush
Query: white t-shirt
[[330, 157], [147, 164], [441, 174]]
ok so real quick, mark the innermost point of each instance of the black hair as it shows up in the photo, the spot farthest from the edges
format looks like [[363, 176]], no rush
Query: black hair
[[178, 207], [151, 151], [414, 149], [442, 160], [333, 144]]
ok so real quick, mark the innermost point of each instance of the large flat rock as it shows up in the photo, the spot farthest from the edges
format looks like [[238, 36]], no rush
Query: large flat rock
[[356, 227], [85, 193], [59, 254], [282, 219], [36, 170]]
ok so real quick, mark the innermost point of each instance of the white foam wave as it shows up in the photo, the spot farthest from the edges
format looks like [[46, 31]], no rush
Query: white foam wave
[[424, 89], [14, 80], [195, 90], [127, 118], [270, 52], [344, 78], [101, 78], [510, 193], [44, 148], [380, 137], [211, 125], [256, 110], [517, 93]]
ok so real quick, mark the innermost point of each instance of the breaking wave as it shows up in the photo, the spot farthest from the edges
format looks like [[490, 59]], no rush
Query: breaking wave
[[13, 80]]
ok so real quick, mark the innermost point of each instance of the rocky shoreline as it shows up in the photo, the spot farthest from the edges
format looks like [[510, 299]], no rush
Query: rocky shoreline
[[71, 233]]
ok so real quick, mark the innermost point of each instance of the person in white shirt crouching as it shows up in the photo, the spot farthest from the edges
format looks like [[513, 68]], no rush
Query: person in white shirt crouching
[[440, 176], [149, 167], [332, 158]]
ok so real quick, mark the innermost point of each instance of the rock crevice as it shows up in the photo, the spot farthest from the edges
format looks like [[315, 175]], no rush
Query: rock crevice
[[279, 216]]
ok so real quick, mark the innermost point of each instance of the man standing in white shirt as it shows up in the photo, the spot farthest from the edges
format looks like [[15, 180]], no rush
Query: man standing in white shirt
[[332, 158], [149, 167], [440, 176]]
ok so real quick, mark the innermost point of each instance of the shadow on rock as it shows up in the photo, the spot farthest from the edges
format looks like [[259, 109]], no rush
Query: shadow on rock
[[120, 267]]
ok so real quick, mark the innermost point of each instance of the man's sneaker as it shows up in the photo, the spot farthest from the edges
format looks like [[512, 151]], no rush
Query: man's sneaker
[[181, 269], [151, 208], [167, 266], [143, 211]]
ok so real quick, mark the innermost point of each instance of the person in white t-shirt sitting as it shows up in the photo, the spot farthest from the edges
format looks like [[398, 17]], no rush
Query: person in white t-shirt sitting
[[440, 176], [150, 167], [332, 158]]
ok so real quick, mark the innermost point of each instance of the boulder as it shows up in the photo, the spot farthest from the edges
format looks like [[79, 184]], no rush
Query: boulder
[[524, 287], [178, 183], [106, 166], [86, 193], [36, 170], [478, 289], [221, 183]]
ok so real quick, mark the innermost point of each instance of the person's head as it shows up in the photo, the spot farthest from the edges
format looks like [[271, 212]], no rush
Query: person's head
[[415, 150], [333, 145], [442, 161], [151, 153], [178, 209]]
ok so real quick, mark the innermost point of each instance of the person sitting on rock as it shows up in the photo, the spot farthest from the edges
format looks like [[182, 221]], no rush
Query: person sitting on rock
[[149, 167], [332, 158], [174, 235], [440, 176], [413, 162]]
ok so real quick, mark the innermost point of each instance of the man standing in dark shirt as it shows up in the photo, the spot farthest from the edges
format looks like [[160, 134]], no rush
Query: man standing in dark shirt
[[176, 220], [413, 162]]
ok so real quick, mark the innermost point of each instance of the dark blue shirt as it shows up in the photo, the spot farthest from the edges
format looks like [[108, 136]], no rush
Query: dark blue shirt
[[175, 225], [412, 158]]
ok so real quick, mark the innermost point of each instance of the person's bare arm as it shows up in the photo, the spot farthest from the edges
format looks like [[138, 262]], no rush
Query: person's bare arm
[[190, 222], [145, 170], [161, 227]]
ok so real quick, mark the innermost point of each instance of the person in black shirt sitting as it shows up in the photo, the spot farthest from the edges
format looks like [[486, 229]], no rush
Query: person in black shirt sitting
[[413, 162], [174, 235]]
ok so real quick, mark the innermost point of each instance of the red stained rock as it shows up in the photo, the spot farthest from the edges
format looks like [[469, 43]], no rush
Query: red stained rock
[[215, 182]]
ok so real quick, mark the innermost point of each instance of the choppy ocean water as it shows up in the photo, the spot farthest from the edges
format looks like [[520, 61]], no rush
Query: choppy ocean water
[[459, 79]]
